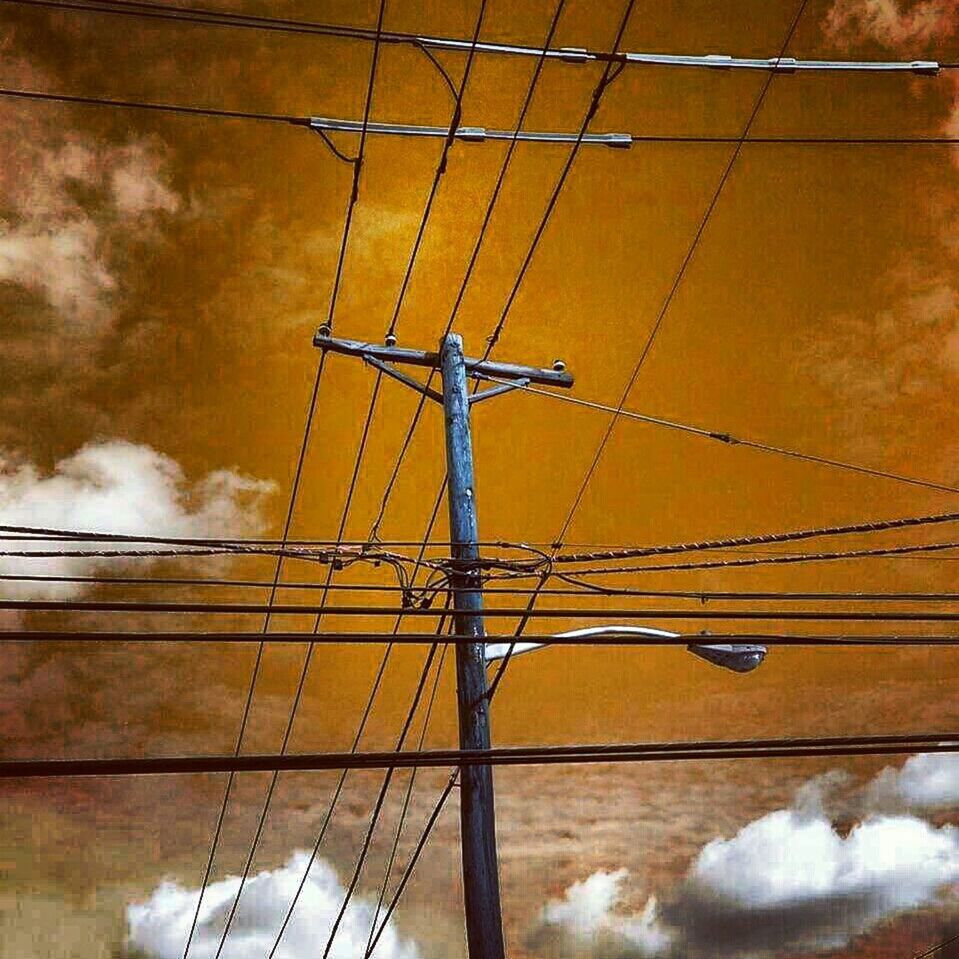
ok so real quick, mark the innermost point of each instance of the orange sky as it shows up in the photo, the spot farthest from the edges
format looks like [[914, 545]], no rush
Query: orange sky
[[819, 313]]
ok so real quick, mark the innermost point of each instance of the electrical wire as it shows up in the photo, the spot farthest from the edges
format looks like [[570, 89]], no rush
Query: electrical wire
[[251, 686], [783, 559], [60, 637], [944, 742], [765, 539], [471, 264], [440, 171], [344, 517], [569, 55], [681, 273], [731, 440], [934, 949], [407, 799], [495, 612], [381, 797], [462, 135], [581, 589]]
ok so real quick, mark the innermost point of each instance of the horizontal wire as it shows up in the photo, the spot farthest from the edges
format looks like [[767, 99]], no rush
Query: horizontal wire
[[465, 134], [731, 440], [43, 605], [417, 639], [585, 590], [571, 54], [480, 134], [776, 560], [497, 756], [757, 539]]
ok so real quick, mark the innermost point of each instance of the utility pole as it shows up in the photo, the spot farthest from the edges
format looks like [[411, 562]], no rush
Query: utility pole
[[484, 923]]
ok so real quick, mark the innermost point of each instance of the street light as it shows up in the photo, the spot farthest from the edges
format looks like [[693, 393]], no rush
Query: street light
[[737, 657]]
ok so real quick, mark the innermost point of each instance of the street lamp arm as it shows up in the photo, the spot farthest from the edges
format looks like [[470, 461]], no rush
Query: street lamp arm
[[738, 657]]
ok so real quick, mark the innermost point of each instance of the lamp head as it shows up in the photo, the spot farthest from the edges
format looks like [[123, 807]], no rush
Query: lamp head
[[738, 657]]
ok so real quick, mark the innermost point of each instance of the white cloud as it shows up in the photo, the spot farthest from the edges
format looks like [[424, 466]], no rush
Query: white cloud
[[891, 23], [65, 200], [584, 923], [925, 782], [789, 882], [159, 927], [117, 487]]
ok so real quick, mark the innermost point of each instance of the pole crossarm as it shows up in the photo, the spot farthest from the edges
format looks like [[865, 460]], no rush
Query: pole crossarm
[[946, 742], [430, 359]]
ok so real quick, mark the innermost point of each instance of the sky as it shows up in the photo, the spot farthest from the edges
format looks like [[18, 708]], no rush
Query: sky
[[161, 278]]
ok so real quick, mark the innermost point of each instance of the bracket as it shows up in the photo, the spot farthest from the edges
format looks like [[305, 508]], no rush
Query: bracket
[[497, 390], [402, 377]]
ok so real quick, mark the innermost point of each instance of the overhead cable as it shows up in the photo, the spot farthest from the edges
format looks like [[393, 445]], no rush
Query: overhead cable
[[732, 440], [475, 134], [192, 637], [570, 54], [650, 338], [944, 742]]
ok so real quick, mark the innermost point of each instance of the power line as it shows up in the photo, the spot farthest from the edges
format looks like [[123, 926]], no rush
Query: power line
[[780, 559], [434, 815], [585, 589], [570, 54], [757, 539], [934, 949], [304, 670], [59, 637], [440, 171], [251, 687], [945, 742], [475, 134], [681, 273], [480, 134], [730, 440], [468, 274], [493, 612], [407, 799], [213, 112]]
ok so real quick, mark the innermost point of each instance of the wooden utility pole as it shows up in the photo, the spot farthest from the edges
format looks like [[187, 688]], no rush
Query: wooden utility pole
[[484, 923]]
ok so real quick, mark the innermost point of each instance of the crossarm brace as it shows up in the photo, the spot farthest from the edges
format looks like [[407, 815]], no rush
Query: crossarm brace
[[403, 378]]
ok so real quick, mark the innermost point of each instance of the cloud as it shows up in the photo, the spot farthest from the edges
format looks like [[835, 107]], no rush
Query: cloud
[[890, 23], [927, 782], [583, 923], [159, 927], [789, 882], [117, 487], [72, 202]]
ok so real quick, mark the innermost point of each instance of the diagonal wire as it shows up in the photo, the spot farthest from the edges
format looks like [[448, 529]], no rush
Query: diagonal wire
[[404, 811], [297, 476], [428, 828], [477, 246], [499, 675], [440, 171], [934, 949], [344, 242], [730, 440], [608, 76], [681, 273], [298, 695], [384, 789]]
